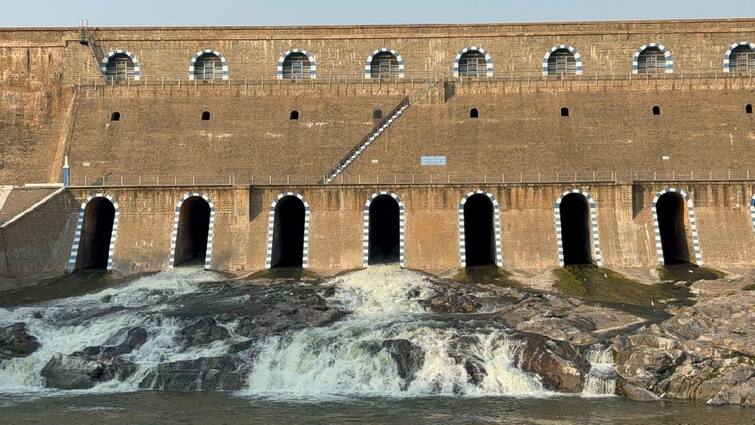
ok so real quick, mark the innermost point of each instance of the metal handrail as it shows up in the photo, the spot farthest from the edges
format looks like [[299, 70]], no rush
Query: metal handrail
[[404, 102], [493, 177]]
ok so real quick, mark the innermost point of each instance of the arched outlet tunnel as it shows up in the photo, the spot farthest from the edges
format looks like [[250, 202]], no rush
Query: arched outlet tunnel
[[479, 231], [671, 212], [384, 233], [193, 231], [575, 229], [288, 233], [96, 231]]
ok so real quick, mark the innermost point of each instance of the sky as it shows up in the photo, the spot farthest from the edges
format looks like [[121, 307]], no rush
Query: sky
[[26, 13]]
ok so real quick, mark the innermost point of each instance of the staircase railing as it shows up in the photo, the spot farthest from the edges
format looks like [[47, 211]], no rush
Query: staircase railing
[[85, 37], [405, 102], [409, 100]]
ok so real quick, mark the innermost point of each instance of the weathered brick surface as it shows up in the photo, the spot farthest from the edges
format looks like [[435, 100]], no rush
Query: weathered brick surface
[[39, 242], [528, 241]]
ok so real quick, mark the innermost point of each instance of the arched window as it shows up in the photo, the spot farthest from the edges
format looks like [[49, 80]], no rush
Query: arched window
[[296, 66], [205, 116], [564, 112], [562, 62], [651, 61], [119, 67], [474, 113], [377, 114], [656, 110], [294, 115], [742, 59], [748, 108], [208, 67], [384, 65], [115, 116], [473, 64]]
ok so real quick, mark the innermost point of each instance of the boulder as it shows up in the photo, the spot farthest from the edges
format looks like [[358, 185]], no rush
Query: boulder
[[476, 372], [15, 341], [409, 358], [225, 373], [76, 372], [203, 331], [704, 352], [454, 303], [131, 339], [560, 365], [92, 365]]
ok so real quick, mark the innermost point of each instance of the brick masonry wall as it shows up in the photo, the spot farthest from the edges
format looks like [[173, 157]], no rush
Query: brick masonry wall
[[625, 221], [40, 242], [519, 48]]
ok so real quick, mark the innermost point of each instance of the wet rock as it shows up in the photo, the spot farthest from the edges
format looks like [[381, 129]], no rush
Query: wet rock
[[15, 341], [476, 372], [75, 372], [637, 394], [304, 310], [92, 365], [704, 352], [453, 304], [560, 365], [225, 373], [203, 331], [131, 340], [409, 358]]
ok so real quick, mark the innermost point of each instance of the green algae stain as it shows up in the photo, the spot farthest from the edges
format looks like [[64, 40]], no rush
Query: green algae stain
[[688, 273], [603, 285], [486, 275]]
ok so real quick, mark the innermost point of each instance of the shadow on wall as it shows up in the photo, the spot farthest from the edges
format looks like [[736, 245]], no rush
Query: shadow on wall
[[257, 203]]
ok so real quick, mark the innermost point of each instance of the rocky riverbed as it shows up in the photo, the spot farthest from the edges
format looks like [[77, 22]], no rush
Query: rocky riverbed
[[390, 332]]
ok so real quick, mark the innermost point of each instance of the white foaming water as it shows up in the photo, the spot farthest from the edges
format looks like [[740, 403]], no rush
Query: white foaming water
[[601, 380], [72, 324], [347, 359]]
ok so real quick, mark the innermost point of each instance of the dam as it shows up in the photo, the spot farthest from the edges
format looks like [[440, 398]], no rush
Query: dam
[[500, 222], [527, 147]]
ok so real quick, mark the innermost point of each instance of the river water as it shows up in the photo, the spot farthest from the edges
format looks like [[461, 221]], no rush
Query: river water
[[331, 374]]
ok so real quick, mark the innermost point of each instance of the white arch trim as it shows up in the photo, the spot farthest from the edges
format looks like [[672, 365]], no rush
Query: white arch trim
[[310, 56], [488, 60], [496, 228], [210, 229], [271, 229], [80, 223], [692, 224], [137, 68], [366, 228], [727, 55], [662, 48], [572, 50], [200, 53], [368, 62], [594, 227]]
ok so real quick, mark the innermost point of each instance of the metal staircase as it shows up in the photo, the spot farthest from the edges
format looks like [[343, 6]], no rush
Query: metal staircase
[[85, 37], [379, 129]]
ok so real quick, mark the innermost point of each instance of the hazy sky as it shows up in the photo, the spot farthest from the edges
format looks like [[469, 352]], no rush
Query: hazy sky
[[299, 12]]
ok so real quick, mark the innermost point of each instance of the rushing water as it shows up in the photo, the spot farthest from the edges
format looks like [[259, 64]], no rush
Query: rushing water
[[329, 374]]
